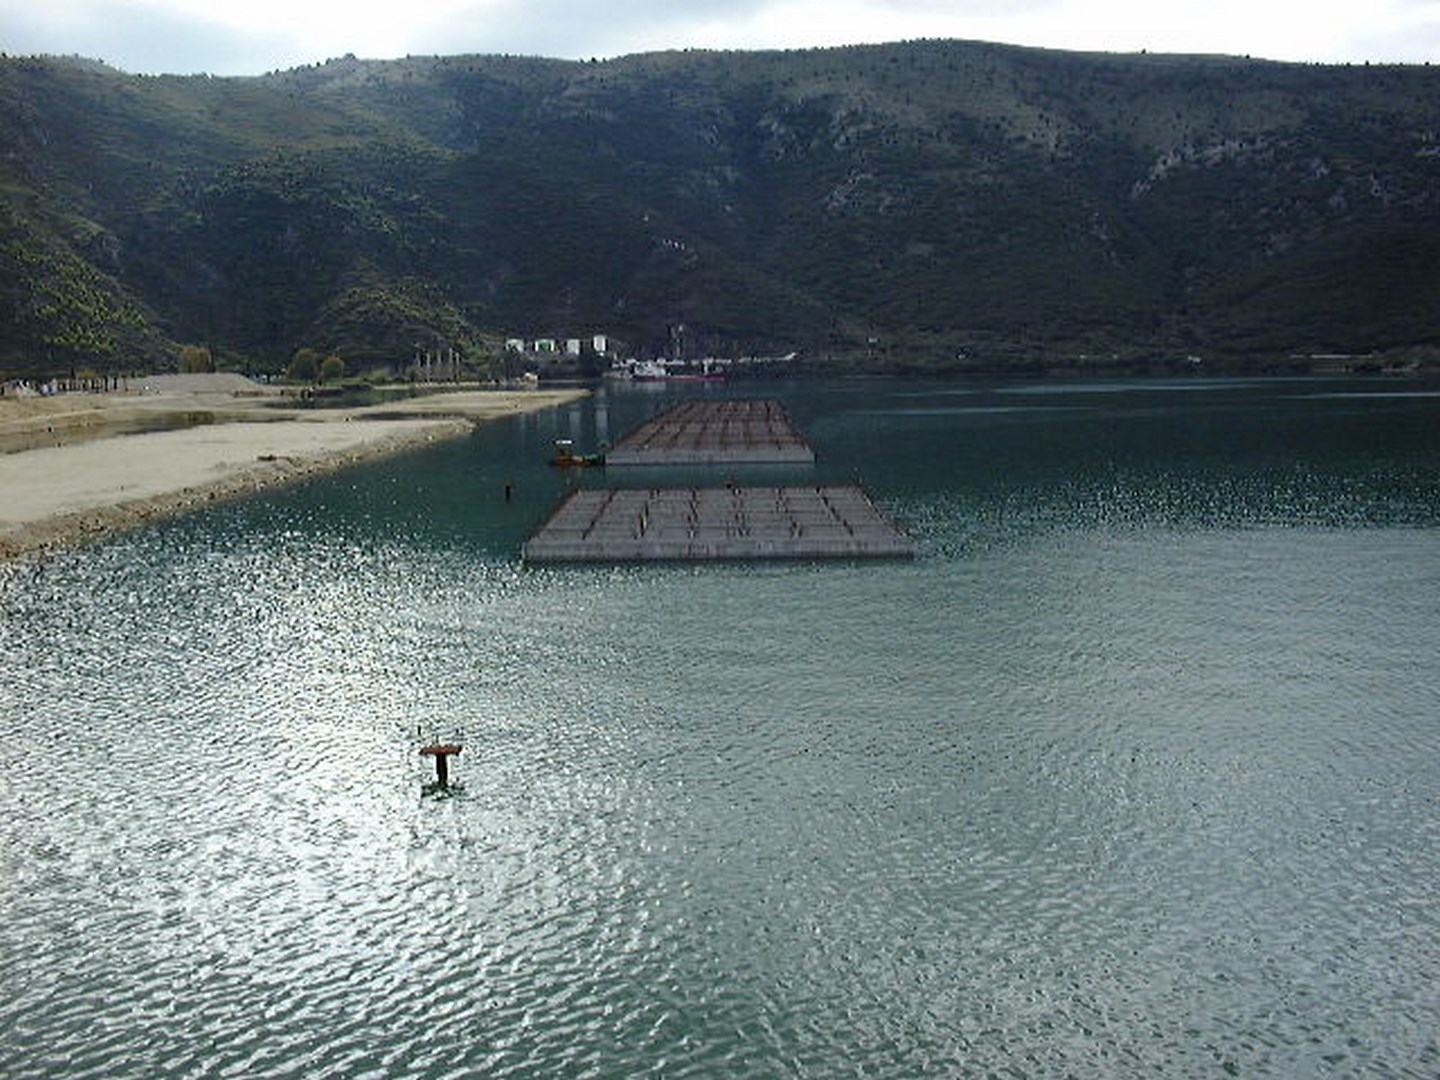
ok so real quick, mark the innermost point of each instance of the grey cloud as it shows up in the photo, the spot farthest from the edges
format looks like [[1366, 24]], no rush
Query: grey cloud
[[567, 28], [1419, 43], [141, 39], [971, 8], [564, 28]]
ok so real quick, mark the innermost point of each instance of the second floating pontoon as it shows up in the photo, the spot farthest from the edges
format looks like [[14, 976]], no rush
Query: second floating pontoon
[[741, 432]]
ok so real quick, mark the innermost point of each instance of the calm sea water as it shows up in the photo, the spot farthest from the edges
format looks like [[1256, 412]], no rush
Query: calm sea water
[[1134, 771]]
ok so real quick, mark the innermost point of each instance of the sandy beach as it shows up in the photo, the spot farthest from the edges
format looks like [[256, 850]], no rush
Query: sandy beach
[[80, 466]]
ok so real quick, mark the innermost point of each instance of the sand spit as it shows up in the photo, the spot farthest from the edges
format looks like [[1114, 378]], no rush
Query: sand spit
[[226, 438]]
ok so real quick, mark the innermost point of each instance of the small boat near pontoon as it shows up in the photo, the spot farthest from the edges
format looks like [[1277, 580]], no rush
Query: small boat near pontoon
[[566, 457]]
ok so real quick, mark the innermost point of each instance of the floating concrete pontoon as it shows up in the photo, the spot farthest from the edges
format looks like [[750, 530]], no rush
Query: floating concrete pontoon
[[600, 525], [714, 433]]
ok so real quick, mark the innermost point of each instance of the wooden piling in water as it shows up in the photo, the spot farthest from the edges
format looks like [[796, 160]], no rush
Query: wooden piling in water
[[442, 753]]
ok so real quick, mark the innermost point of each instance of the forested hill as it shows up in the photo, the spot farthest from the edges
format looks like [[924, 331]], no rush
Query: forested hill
[[913, 205]]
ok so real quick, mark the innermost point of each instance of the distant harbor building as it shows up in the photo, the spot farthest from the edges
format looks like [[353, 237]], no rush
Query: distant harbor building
[[572, 348]]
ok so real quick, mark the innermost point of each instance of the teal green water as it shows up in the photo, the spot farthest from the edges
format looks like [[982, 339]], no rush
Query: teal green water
[[1133, 771]]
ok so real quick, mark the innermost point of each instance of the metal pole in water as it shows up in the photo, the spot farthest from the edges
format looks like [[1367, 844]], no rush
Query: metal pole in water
[[442, 752]]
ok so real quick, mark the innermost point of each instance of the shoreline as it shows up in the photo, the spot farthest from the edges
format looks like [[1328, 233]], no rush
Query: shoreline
[[207, 446]]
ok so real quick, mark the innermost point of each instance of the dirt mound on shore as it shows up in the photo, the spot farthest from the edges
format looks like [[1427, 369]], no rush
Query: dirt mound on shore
[[217, 382]]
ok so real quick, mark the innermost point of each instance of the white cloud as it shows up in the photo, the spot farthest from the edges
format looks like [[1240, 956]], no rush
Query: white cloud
[[249, 36]]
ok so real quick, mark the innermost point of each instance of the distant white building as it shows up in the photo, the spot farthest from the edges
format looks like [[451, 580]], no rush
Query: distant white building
[[571, 347]]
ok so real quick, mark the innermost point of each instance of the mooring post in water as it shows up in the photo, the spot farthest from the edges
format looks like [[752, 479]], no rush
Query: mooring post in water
[[442, 752]]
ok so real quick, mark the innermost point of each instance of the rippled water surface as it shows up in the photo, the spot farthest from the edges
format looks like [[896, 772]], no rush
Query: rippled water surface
[[1132, 772]]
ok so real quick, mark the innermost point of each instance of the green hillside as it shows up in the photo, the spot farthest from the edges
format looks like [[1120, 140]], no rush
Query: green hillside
[[917, 206]]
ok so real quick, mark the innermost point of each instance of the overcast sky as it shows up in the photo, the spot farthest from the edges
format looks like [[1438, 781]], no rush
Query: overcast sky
[[248, 37]]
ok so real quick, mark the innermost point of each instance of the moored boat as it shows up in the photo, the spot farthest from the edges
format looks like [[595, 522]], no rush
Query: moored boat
[[566, 457], [669, 371]]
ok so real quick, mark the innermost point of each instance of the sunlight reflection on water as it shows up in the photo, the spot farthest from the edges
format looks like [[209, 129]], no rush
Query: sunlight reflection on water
[[1132, 771]]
